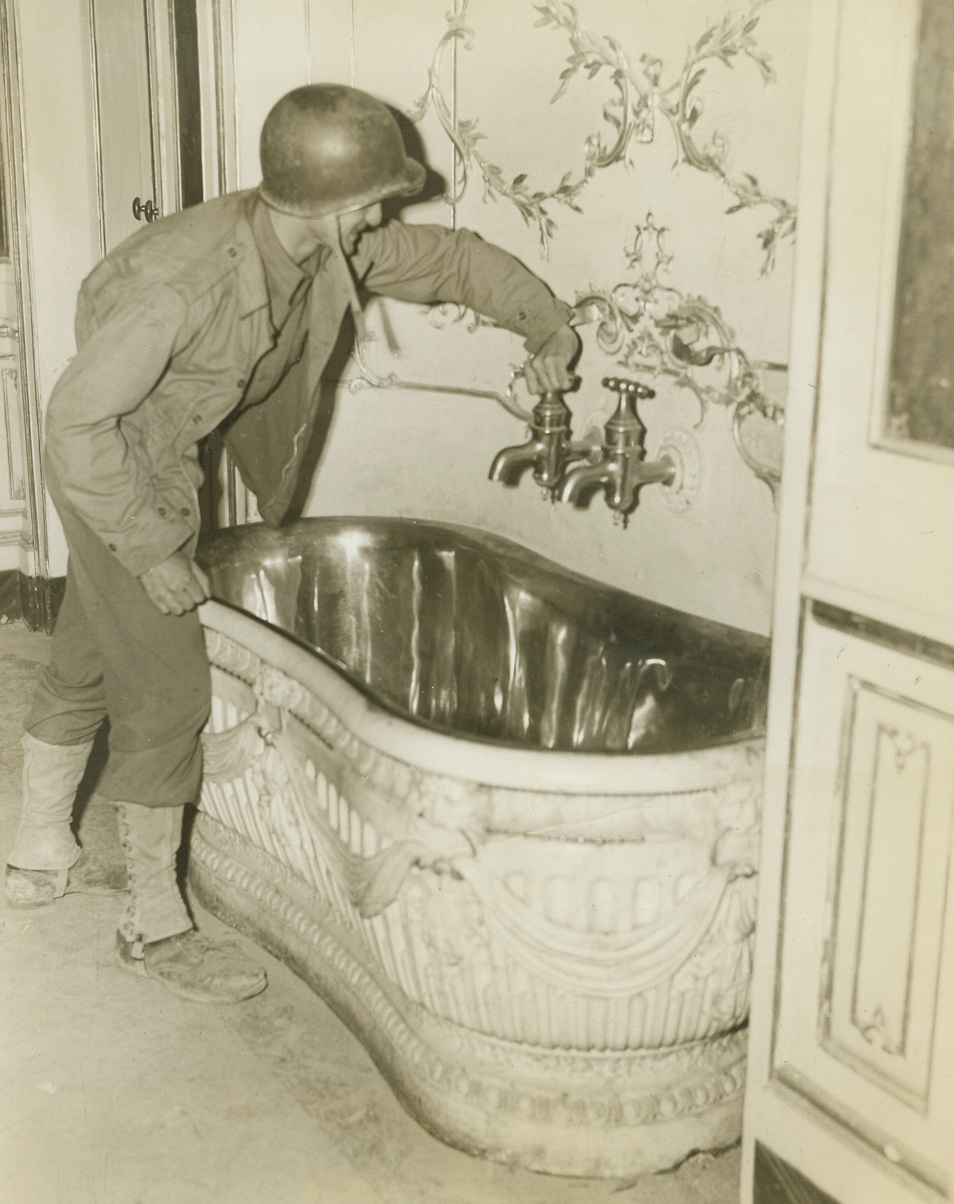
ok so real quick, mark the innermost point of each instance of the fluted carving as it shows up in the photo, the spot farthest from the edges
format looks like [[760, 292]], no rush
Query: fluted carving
[[477, 1092], [489, 959]]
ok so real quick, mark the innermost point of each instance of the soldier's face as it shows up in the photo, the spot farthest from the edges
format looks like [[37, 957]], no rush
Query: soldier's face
[[352, 225]]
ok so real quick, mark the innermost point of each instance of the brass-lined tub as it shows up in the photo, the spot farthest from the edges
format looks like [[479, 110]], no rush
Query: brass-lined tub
[[503, 819]]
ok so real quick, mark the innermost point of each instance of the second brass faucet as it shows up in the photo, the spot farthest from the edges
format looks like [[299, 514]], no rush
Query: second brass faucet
[[617, 464], [621, 468]]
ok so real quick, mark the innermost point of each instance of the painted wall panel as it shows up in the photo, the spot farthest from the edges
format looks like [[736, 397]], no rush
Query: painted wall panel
[[897, 806], [850, 1047], [270, 55]]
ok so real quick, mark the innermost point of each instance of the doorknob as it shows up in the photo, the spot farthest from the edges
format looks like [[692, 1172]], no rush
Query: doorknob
[[148, 210]]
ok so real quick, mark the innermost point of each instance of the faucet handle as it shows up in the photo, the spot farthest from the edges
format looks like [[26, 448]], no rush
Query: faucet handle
[[625, 430], [627, 388]]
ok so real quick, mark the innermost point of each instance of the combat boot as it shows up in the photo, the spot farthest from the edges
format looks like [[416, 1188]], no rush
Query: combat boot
[[156, 937]]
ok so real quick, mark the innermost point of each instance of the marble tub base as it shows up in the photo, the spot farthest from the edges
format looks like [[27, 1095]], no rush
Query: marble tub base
[[564, 1112]]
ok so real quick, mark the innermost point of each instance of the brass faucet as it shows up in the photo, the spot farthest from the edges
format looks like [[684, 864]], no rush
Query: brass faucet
[[548, 449], [621, 470]]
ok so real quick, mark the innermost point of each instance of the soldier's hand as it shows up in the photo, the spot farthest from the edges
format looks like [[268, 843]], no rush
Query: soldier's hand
[[550, 369], [176, 585]]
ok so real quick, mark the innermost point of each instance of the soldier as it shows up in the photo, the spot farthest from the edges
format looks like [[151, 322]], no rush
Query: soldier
[[223, 315]]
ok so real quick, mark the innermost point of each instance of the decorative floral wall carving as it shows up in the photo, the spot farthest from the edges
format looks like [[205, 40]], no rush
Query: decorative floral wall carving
[[632, 114], [654, 329], [646, 324]]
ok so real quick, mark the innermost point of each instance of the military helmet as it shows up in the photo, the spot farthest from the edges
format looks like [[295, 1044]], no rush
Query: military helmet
[[327, 149]]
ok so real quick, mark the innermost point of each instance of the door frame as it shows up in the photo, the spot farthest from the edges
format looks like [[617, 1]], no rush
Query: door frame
[[33, 544], [789, 1139]]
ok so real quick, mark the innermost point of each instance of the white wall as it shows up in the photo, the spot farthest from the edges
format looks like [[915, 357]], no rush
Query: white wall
[[409, 452], [417, 454], [61, 210]]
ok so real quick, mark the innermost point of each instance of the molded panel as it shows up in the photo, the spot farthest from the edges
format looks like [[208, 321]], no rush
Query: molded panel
[[880, 1005], [880, 516], [866, 944]]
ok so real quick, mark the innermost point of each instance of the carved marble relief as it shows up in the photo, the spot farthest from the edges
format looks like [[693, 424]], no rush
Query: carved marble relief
[[585, 973]]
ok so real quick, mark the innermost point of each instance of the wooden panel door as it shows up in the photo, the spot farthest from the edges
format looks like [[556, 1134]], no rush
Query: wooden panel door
[[883, 488], [851, 1090], [126, 112], [865, 970]]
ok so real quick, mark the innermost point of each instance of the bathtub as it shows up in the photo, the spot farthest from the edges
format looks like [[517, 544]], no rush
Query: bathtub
[[502, 819]]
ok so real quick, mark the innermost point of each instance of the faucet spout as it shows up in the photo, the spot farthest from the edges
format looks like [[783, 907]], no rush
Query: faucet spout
[[509, 463], [621, 474], [545, 451], [582, 478], [652, 472]]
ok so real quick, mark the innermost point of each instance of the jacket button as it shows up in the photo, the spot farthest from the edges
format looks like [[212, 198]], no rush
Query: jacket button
[[111, 546], [196, 417], [233, 251], [162, 511], [240, 384], [186, 511]]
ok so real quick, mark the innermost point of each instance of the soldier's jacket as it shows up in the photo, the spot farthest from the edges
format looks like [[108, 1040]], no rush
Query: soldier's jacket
[[170, 328]]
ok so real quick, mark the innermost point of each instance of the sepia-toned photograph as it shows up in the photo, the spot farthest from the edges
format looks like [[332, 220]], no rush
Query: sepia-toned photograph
[[477, 601]]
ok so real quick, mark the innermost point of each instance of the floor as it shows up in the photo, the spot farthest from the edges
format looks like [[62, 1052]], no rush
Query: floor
[[115, 1092]]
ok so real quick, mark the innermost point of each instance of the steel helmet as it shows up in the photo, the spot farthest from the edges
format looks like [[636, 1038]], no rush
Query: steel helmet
[[327, 149]]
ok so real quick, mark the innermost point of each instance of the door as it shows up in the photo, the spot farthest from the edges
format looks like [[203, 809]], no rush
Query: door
[[16, 535], [127, 117], [851, 1088], [151, 156]]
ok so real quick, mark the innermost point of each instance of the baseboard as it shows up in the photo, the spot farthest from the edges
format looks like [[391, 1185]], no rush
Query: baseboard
[[776, 1182], [33, 600]]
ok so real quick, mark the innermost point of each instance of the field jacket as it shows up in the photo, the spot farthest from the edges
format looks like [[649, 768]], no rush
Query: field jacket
[[170, 328]]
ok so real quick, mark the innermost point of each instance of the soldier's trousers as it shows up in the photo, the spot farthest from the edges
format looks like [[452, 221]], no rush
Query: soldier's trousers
[[116, 657]]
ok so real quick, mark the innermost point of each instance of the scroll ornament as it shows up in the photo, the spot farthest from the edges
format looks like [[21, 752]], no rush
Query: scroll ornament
[[715, 914]]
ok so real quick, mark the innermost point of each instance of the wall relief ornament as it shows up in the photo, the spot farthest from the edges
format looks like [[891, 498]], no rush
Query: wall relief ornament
[[653, 329], [647, 325], [640, 101]]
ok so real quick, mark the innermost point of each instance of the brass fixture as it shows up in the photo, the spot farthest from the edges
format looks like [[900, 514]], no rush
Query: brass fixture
[[548, 449], [620, 470]]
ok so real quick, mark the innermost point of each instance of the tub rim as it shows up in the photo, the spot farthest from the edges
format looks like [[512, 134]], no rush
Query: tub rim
[[483, 762]]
